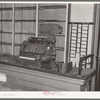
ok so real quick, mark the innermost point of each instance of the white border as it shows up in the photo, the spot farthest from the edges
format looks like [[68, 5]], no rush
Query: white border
[[50, 94], [49, 2]]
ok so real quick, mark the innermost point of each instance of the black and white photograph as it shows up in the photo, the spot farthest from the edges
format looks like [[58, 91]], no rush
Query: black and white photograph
[[49, 47]]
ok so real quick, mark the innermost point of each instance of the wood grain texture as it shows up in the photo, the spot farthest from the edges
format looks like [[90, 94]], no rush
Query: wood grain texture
[[41, 80]]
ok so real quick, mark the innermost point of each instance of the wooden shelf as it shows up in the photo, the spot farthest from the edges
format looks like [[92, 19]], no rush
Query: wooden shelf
[[26, 20], [5, 32], [6, 9], [52, 20], [31, 20], [59, 48], [58, 35], [6, 20], [26, 8], [9, 43], [54, 7], [34, 7], [25, 33]]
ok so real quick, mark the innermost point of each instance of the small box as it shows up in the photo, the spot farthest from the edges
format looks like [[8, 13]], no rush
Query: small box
[[66, 67]]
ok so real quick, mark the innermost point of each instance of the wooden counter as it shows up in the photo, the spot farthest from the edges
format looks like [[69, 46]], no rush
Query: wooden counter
[[45, 81]]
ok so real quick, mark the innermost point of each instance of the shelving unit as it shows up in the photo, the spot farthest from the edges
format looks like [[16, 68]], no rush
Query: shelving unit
[[44, 13], [2, 21], [36, 9]]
